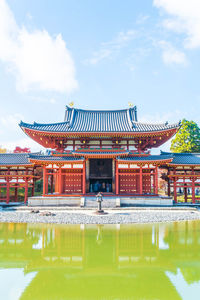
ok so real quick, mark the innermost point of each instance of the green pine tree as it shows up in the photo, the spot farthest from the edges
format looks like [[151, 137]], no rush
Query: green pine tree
[[187, 139]]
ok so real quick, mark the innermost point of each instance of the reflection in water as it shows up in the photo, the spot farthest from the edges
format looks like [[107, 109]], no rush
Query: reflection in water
[[100, 261]]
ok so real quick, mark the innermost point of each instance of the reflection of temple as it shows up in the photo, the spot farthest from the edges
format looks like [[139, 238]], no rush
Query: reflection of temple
[[111, 262]]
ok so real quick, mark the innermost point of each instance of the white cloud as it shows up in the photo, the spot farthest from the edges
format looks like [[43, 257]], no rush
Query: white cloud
[[38, 60], [171, 116], [10, 122], [9, 128], [108, 49], [43, 99], [98, 56], [184, 17], [171, 55], [142, 19]]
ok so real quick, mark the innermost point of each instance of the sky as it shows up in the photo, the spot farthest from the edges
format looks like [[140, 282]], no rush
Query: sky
[[100, 55]]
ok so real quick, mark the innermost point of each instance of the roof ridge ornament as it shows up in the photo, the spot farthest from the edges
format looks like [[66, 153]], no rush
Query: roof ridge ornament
[[130, 104], [71, 104]]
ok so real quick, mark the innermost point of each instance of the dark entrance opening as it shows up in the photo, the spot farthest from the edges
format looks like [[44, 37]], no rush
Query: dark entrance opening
[[100, 175]]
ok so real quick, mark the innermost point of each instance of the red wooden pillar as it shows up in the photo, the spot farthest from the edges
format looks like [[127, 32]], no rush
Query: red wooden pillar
[[60, 180], [84, 178], [16, 193], [33, 185], [156, 180], [168, 184], [8, 187], [140, 181], [185, 192], [52, 183], [26, 187], [193, 190], [26, 191], [44, 180], [175, 193], [116, 178], [168, 188]]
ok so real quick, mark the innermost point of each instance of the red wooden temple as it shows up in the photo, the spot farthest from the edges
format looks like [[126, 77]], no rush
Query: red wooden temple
[[108, 151], [105, 151]]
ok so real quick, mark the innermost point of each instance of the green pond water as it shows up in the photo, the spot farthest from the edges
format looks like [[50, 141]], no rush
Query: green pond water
[[54, 262]]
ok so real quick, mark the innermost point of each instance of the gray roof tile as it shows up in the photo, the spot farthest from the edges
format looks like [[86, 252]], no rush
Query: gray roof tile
[[78, 120], [185, 158], [100, 152], [14, 159], [146, 158], [55, 158]]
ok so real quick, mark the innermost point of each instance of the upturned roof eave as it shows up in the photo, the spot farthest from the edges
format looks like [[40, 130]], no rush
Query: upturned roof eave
[[54, 161], [184, 164], [24, 128], [166, 160], [17, 165]]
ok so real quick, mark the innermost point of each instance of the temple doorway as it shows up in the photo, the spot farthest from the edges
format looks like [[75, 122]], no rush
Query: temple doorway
[[100, 175]]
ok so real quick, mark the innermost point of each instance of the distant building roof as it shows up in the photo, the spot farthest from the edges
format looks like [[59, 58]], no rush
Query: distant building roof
[[148, 158], [172, 158], [54, 158], [79, 120], [18, 159], [183, 158]]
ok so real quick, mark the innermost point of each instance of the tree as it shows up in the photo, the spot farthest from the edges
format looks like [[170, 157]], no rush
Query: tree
[[21, 150], [2, 150], [187, 139]]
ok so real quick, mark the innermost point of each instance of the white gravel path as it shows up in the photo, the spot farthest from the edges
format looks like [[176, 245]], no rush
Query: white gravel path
[[89, 217]]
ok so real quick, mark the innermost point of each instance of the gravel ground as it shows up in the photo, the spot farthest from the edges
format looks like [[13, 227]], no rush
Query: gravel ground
[[89, 217]]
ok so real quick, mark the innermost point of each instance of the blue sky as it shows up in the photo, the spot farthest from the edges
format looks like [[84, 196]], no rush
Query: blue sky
[[99, 54]]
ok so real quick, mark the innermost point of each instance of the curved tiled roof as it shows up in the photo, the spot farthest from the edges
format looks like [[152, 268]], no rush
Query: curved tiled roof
[[78, 120], [147, 158], [125, 152], [14, 159], [184, 158], [55, 158]]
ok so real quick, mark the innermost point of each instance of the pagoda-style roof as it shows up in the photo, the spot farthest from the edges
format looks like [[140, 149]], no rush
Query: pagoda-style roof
[[79, 120]]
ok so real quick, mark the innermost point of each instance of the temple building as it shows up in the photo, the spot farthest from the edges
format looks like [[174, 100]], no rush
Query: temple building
[[108, 151]]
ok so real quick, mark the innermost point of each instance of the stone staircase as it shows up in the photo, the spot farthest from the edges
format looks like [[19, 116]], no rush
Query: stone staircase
[[111, 202], [108, 202]]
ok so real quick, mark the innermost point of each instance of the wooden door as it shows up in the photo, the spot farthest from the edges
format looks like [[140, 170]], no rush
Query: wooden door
[[146, 184], [73, 182], [128, 183]]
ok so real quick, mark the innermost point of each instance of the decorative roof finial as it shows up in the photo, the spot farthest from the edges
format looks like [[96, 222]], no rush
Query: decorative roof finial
[[130, 104], [71, 104]]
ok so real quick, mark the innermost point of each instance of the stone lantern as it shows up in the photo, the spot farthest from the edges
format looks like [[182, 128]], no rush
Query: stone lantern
[[99, 201]]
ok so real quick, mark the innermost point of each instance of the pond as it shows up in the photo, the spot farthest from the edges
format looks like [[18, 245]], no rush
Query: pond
[[54, 262]]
